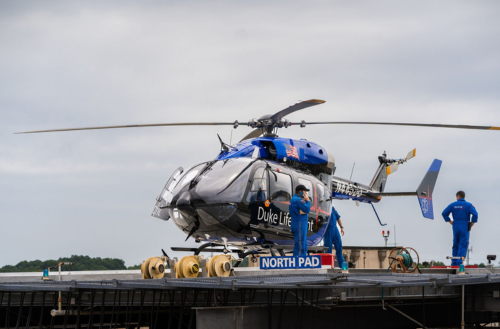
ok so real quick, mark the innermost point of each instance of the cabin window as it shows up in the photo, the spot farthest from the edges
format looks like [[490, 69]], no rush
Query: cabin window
[[258, 191], [280, 187], [309, 186]]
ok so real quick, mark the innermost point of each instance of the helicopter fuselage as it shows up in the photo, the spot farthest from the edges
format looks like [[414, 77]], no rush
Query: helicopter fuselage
[[243, 195]]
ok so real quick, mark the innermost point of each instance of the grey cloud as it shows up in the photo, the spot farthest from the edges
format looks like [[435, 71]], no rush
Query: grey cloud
[[122, 62]]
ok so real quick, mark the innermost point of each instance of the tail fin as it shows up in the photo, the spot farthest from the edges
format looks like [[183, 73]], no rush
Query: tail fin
[[426, 187], [380, 178]]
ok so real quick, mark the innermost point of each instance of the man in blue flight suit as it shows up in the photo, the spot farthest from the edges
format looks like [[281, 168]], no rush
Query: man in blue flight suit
[[462, 211], [300, 206], [332, 236]]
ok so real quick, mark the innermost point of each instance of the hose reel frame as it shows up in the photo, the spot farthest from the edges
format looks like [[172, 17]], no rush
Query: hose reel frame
[[403, 260]]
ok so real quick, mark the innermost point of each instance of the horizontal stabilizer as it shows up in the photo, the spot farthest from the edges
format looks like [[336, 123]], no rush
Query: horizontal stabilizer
[[426, 187]]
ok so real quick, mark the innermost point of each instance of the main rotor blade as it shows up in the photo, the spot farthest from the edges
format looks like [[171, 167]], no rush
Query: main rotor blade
[[254, 134], [299, 106], [400, 124], [135, 126]]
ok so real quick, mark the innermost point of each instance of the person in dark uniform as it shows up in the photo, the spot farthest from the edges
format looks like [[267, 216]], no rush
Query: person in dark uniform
[[332, 236], [300, 206], [461, 223]]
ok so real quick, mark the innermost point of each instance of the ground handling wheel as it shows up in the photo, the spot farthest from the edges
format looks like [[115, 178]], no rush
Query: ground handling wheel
[[188, 267], [153, 268], [219, 265]]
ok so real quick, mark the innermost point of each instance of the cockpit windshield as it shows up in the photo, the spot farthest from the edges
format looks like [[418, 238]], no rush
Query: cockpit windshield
[[186, 178], [225, 180]]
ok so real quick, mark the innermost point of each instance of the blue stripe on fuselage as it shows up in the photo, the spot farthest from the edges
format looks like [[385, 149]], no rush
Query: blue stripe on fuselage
[[342, 196]]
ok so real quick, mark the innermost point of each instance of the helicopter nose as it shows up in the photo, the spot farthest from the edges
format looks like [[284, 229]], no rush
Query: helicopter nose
[[184, 204]]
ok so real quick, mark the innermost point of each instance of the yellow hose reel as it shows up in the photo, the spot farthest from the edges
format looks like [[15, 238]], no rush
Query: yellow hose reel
[[219, 265], [188, 267], [153, 268]]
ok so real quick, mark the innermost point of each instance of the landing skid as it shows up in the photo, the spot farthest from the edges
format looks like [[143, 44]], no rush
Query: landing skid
[[253, 249]]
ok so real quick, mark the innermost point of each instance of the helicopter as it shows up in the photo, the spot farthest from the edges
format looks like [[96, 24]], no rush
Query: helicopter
[[241, 197]]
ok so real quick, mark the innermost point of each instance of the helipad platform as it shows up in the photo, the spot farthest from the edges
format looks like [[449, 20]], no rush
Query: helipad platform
[[239, 271], [288, 299]]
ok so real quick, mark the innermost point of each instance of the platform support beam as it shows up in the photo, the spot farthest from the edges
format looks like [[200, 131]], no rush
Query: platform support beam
[[406, 316]]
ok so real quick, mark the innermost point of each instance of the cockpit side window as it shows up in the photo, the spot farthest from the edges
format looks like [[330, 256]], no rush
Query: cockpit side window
[[258, 191], [309, 186], [174, 179], [280, 187]]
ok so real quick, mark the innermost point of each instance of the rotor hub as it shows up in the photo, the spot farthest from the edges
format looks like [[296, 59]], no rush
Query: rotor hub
[[268, 125]]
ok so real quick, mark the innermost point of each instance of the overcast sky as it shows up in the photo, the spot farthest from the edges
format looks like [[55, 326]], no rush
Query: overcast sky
[[71, 64]]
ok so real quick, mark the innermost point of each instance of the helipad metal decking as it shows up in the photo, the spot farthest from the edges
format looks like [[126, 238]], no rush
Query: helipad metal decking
[[291, 299]]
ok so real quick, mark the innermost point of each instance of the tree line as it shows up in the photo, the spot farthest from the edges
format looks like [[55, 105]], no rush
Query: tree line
[[438, 263], [82, 263]]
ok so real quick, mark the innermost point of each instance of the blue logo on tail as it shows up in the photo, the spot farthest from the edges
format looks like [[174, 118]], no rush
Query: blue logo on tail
[[426, 206]]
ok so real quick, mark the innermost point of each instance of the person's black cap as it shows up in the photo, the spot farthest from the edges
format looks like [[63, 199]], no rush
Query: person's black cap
[[301, 188]]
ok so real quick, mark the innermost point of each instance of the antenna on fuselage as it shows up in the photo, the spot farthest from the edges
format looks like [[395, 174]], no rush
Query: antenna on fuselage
[[223, 146], [352, 170]]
